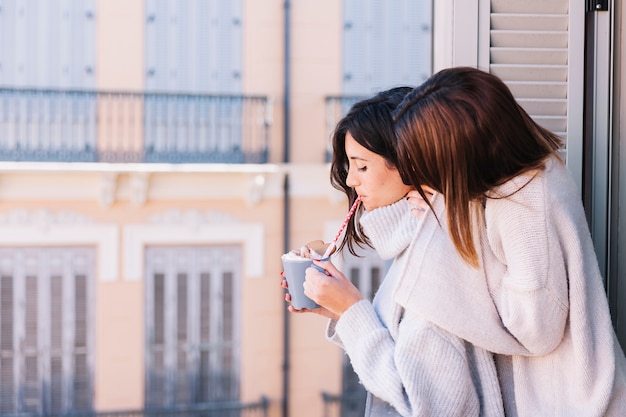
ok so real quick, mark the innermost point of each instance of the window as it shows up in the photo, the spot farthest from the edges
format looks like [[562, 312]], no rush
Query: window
[[192, 325], [194, 47], [366, 273], [46, 336], [386, 44], [47, 45]]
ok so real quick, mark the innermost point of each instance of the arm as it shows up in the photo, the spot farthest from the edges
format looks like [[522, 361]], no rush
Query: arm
[[531, 295], [422, 372]]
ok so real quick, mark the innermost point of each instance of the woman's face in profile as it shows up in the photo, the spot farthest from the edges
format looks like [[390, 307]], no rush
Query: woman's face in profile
[[372, 178]]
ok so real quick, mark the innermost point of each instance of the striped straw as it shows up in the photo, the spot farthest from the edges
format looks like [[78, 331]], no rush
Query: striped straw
[[333, 244]]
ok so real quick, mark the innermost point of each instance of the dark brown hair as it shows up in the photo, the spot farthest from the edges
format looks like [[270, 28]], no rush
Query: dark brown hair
[[370, 123], [462, 133]]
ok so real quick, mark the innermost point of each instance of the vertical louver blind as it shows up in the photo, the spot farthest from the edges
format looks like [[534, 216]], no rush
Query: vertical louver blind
[[46, 332], [192, 324], [194, 46], [529, 51], [385, 44], [47, 43]]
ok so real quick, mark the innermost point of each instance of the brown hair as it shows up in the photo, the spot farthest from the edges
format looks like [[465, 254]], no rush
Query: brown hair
[[462, 133], [370, 123]]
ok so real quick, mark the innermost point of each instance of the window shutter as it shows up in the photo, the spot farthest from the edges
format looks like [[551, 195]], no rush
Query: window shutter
[[47, 44], [32, 378], [45, 330], [192, 327], [530, 51], [366, 274], [7, 376], [194, 46], [385, 44]]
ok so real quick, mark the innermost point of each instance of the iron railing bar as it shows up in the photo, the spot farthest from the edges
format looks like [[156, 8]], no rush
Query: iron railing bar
[[85, 91]]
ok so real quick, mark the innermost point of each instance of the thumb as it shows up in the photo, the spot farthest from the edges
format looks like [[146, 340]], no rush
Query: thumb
[[328, 267]]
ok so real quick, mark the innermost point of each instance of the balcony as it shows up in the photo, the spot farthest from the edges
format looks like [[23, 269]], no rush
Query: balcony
[[124, 127], [336, 108], [215, 409], [348, 404]]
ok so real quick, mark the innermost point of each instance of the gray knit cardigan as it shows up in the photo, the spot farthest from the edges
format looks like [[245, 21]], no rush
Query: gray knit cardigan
[[408, 365]]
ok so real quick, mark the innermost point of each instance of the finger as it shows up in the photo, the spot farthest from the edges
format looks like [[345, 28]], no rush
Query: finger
[[329, 268], [418, 211], [293, 310], [284, 284]]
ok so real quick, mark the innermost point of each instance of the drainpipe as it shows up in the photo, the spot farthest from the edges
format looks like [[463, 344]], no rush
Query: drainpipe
[[286, 313], [286, 199]]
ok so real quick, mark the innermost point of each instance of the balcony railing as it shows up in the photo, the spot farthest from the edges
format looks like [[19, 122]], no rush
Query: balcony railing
[[348, 404], [98, 126], [336, 108], [217, 409]]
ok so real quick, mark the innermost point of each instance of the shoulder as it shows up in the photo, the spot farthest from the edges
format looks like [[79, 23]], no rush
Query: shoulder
[[538, 191]]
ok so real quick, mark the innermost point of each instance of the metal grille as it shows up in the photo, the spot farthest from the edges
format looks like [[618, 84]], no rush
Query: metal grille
[[98, 126], [45, 330], [192, 328]]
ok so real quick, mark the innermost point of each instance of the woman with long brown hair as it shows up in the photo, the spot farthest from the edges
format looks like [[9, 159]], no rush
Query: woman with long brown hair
[[518, 274], [408, 366]]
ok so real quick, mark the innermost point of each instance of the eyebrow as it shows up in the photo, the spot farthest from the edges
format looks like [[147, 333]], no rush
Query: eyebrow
[[358, 158]]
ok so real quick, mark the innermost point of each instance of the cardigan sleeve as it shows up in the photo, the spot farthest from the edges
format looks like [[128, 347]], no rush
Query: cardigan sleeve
[[422, 373], [532, 294]]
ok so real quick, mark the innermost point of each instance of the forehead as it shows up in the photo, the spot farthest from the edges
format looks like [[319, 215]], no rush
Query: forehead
[[354, 148]]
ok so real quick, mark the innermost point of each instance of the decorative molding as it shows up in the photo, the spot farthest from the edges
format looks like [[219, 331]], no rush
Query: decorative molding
[[137, 236], [139, 182], [43, 218], [256, 187], [108, 188], [192, 217], [45, 228]]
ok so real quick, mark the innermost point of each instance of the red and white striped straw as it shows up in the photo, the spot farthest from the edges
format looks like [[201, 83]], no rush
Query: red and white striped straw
[[343, 226]]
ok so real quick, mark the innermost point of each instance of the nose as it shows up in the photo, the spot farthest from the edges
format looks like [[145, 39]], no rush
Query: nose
[[351, 181]]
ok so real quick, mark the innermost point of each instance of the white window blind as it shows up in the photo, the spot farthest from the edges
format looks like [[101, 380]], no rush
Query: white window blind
[[46, 332], [194, 46], [47, 43], [385, 44], [192, 324]]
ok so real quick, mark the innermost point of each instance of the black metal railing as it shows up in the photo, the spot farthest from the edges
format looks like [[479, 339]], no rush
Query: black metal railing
[[347, 404], [336, 108], [100, 126], [214, 409]]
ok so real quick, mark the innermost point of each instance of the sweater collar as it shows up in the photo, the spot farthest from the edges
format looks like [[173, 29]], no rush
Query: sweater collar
[[391, 228]]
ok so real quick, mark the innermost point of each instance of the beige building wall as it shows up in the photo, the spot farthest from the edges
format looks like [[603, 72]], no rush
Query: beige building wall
[[109, 202], [110, 206]]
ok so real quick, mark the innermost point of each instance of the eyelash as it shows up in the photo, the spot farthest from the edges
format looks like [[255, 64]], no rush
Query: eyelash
[[362, 169]]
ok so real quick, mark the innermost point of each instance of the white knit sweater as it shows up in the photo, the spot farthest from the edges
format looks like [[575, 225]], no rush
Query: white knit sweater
[[409, 366], [537, 301]]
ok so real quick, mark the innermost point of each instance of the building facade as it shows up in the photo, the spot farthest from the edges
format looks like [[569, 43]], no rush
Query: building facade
[[159, 156]]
